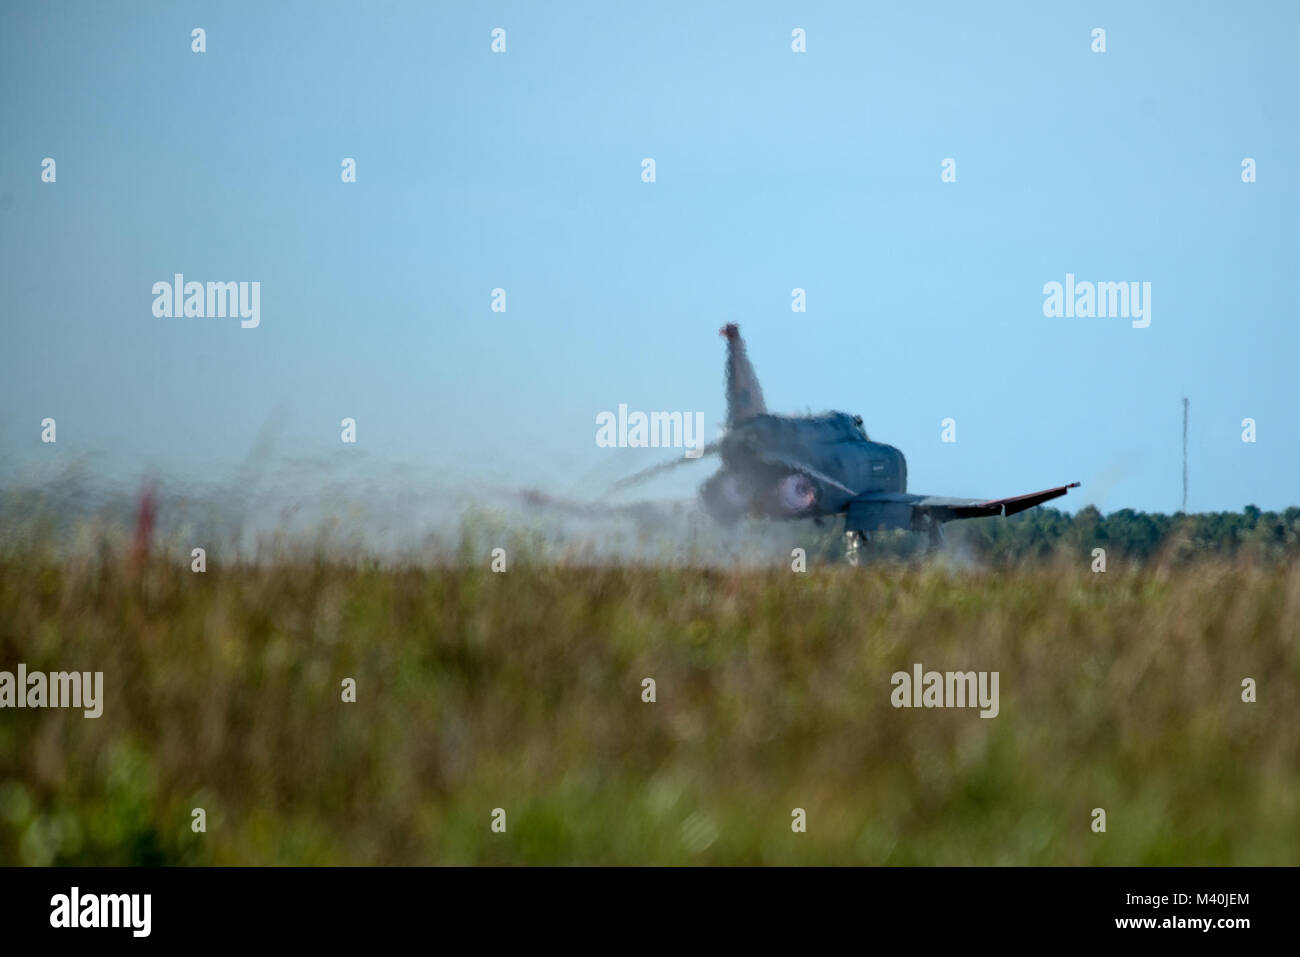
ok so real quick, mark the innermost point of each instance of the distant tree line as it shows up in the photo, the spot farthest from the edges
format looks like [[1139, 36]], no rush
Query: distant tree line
[[1130, 535]]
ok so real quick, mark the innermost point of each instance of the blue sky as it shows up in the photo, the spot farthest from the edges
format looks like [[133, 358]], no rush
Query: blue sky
[[775, 170]]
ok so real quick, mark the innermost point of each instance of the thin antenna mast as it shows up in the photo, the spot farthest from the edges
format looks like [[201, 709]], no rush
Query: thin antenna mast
[[1185, 455]]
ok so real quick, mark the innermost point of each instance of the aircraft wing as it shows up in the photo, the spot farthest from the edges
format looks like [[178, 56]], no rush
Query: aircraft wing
[[872, 511]]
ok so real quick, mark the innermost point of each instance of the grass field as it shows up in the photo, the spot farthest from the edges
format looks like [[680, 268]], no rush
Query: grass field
[[523, 691]]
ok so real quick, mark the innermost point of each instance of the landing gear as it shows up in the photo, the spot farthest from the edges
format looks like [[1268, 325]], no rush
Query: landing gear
[[853, 542], [936, 535]]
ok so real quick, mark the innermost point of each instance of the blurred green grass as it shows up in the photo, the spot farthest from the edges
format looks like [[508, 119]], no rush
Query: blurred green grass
[[523, 691]]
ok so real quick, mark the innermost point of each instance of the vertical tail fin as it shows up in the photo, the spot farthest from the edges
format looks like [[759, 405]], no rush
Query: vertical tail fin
[[744, 394]]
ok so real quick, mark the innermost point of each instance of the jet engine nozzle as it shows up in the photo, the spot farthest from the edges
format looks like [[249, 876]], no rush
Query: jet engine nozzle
[[795, 494], [727, 496]]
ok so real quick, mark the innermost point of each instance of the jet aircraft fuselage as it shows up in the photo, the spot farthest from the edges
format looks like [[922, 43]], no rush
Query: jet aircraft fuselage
[[813, 466]]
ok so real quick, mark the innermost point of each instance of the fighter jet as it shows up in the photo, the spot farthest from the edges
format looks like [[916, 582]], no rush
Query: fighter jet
[[818, 466]]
